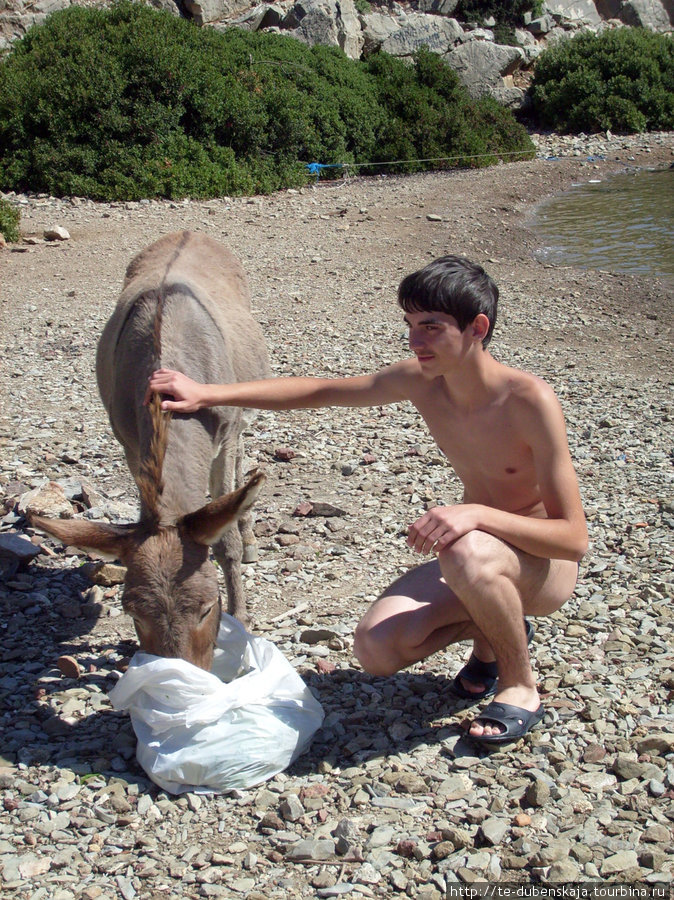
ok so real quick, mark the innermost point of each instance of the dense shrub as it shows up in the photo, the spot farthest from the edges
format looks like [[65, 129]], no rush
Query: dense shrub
[[130, 102], [9, 221], [431, 117], [622, 80], [506, 12]]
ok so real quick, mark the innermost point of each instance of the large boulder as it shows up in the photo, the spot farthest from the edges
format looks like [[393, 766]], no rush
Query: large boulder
[[332, 22], [418, 30], [581, 12], [481, 66], [16, 17], [206, 11], [376, 29], [609, 9], [268, 15], [649, 14]]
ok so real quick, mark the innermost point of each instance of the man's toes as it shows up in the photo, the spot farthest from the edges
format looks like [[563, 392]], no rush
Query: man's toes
[[478, 729]]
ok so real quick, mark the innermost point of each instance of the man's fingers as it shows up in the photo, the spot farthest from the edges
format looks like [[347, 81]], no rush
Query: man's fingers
[[429, 540], [421, 543], [174, 405]]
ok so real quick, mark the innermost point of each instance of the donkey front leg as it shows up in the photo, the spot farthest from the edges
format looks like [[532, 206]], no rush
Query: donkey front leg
[[250, 552], [228, 551]]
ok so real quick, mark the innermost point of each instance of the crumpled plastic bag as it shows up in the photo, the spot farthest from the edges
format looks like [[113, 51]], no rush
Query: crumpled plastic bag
[[233, 727]]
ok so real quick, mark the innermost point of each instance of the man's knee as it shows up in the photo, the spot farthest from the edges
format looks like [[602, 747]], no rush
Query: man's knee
[[371, 654], [476, 560]]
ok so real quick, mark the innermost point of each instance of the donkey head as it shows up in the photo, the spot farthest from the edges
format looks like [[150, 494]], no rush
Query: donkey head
[[171, 587]]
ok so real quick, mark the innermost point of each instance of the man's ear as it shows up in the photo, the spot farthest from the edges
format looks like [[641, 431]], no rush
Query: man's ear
[[480, 326]]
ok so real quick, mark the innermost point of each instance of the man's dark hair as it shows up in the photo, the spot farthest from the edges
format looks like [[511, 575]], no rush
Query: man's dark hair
[[454, 286]]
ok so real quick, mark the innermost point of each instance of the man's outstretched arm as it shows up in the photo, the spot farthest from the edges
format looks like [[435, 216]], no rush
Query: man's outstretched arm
[[378, 389]]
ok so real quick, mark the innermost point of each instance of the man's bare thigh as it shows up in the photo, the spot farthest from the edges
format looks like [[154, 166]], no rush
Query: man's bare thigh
[[544, 585]]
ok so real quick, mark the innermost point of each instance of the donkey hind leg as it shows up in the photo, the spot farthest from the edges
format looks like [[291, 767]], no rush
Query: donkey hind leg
[[228, 551], [245, 522]]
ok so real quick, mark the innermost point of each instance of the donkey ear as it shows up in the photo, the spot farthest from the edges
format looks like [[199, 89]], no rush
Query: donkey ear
[[206, 525], [108, 541]]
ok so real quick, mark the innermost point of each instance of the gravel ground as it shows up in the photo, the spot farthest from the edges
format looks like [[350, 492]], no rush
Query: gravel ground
[[390, 798]]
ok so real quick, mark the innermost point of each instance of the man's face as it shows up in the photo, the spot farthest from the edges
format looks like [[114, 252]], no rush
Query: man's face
[[436, 341]]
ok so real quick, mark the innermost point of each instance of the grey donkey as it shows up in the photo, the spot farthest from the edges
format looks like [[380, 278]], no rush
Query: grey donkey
[[185, 304]]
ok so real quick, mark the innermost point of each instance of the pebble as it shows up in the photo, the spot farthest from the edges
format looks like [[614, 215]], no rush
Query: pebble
[[390, 798]]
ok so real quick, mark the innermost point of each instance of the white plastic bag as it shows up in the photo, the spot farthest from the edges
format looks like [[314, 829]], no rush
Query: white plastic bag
[[233, 727]]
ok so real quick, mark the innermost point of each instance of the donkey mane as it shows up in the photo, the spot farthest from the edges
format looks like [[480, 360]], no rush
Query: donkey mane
[[150, 479]]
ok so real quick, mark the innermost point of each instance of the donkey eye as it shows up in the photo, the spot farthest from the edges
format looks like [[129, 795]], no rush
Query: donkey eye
[[205, 614]]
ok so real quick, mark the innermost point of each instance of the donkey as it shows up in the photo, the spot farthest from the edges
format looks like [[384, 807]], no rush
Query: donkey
[[185, 304]]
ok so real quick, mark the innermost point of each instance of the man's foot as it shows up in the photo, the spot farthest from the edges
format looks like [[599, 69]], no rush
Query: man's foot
[[502, 723], [477, 680]]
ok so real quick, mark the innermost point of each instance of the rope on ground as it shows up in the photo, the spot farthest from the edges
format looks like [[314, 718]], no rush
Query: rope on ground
[[316, 168]]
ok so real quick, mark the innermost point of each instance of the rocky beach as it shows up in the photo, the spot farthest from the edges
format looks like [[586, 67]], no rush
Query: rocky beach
[[391, 798]]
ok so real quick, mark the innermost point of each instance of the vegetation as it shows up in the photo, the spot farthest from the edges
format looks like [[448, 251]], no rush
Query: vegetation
[[430, 116], [506, 12], [622, 80], [130, 102], [10, 218]]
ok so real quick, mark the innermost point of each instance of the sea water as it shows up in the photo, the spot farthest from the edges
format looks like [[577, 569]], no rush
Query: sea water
[[622, 223]]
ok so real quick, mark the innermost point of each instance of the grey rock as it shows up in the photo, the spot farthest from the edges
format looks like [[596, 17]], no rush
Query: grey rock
[[291, 808], [17, 547], [337, 890], [331, 22], [555, 851], [207, 11], [660, 743], [579, 12], [48, 499], [619, 862], [481, 65], [626, 768], [541, 25], [311, 851], [56, 233], [267, 15], [537, 793], [494, 830], [564, 871], [377, 28], [651, 14], [418, 30], [381, 836]]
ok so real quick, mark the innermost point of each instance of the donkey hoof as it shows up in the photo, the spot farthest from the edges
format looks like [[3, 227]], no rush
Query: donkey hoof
[[250, 554]]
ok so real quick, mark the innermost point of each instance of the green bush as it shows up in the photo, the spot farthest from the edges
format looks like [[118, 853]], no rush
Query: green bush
[[434, 123], [506, 12], [622, 80], [129, 102], [10, 218]]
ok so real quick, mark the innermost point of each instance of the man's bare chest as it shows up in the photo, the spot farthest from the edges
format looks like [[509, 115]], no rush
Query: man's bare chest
[[485, 444]]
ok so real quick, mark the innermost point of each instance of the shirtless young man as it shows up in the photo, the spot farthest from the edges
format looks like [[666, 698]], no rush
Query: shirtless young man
[[511, 548]]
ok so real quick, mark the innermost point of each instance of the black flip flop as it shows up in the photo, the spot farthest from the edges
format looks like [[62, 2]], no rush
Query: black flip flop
[[480, 672], [516, 722]]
